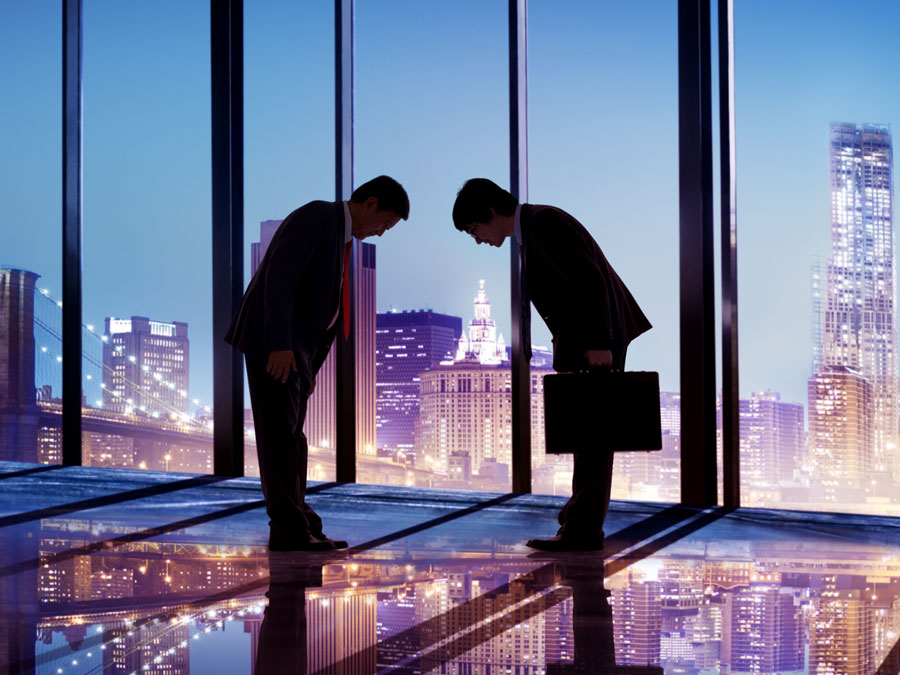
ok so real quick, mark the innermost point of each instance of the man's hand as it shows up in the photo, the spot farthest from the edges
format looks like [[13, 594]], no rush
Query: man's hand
[[281, 362], [598, 358]]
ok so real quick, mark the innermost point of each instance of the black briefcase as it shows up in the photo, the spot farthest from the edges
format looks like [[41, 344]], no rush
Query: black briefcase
[[603, 410]]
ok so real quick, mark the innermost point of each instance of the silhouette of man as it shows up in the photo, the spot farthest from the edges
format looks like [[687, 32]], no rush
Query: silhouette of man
[[289, 316], [589, 311]]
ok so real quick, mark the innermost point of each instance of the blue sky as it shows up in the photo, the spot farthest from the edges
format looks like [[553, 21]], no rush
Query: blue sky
[[431, 110]]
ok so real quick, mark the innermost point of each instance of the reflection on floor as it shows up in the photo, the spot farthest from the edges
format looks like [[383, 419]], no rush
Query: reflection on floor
[[107, 571]]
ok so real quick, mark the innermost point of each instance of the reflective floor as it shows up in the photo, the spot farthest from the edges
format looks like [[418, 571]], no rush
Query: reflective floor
[[113, 571]]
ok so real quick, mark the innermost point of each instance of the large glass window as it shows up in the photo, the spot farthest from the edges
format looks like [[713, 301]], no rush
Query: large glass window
[[30, 241], [819, 417], [603, 146], [289, 161], [147, 255], [432, 111]]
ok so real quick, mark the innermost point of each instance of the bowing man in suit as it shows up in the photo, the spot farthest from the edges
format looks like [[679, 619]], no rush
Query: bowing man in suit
[[289, 316], [588, 309]]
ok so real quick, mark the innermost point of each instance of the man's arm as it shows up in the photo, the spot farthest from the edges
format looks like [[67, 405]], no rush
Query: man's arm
[[287, 260]]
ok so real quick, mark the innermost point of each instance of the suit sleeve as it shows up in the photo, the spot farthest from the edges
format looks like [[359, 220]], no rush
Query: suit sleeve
[[288, 259], [584, 308]]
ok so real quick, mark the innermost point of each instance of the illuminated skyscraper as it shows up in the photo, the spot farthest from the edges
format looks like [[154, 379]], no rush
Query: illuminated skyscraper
[[771, 439], [146, 367], [859, 329], [841, 634], [484, 343], [840, 432], [406, 344], [762, 631]]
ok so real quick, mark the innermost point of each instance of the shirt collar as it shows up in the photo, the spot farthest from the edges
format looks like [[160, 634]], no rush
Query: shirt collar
[[518, 223], [348, 224]]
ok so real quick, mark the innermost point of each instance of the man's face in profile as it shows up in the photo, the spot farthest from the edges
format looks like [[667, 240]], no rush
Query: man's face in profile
[[487, 233], [373, 222]]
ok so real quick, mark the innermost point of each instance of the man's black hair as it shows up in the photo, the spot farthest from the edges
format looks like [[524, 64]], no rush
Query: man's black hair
[[390, 195], [475, 200]]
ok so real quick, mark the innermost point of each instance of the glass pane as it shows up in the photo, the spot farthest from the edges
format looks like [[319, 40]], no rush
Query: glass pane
[[147, 255], [603, 146], [30, 233], [289, 161], [433, 115], [818, 280]]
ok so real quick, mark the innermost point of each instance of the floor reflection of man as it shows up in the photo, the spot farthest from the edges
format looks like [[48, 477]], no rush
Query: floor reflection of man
[[592, 626], [282, 635]]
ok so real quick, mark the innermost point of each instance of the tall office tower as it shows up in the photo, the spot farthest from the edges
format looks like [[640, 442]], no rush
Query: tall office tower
[[321, 416], [842, 634], [762, 631], [407, 344], [341, 632], [637, 617], [146, 367], [19, 414], [771, 440], [860, 329], [840, 432], [258, 249], [817, 295]]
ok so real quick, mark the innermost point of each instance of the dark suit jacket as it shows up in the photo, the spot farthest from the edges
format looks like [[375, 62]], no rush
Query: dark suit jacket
[[574, 288], [296, 290]]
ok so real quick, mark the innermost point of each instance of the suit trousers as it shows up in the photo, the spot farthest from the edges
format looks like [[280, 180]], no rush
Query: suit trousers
[[279, 410], [584, 513]]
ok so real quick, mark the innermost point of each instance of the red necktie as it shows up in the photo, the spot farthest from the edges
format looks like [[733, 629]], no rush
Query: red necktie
[[345, 293]]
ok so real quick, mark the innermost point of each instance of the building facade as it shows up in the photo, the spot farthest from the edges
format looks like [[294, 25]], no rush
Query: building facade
[[146, 367], [407, 344], [860, 329]]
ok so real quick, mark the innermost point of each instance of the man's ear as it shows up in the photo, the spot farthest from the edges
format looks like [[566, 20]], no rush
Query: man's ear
[[371, 204]]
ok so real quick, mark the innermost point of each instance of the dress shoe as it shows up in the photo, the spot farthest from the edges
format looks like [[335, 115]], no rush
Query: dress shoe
[[560, 543]]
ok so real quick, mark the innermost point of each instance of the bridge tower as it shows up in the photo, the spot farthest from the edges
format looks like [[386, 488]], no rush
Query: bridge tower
[[19, 414]]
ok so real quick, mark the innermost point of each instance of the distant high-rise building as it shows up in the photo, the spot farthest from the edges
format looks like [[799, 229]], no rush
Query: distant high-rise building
[[146, 367], [817, 295], [637, 616], [258, 249], [859, 330], [406, 344], [840, 431], [762, 631], [771, 439], [842, 634]]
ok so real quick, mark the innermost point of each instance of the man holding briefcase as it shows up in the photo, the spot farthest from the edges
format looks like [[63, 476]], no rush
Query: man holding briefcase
[[589, 311]]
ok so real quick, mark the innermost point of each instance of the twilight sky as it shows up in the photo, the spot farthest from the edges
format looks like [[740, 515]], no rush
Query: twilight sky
[[431, 110]]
